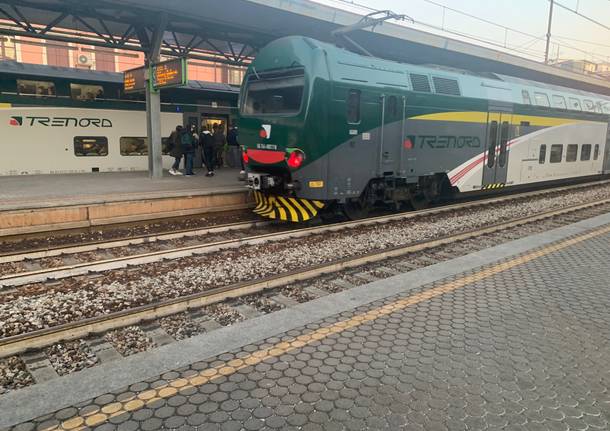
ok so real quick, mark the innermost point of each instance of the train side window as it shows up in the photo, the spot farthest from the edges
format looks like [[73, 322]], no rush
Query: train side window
[[542, 99], [491, 143], [572, 153], [353, 106], [559, 102], [556, 153], [503, 143], [589, 105], [90, 146], [575, 104], [526, 97], [542, 155], [86, 92], [138, 146], [133, 146], [35, 88], [596, 152], [585, 153]]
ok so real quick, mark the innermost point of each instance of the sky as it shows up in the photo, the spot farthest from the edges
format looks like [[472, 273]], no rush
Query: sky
[[573, 37]]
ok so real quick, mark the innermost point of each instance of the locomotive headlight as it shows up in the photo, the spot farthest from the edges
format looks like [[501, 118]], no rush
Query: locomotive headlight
[[296, 159]]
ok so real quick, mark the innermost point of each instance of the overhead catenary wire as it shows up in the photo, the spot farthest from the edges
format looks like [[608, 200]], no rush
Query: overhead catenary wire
[[515, 48]]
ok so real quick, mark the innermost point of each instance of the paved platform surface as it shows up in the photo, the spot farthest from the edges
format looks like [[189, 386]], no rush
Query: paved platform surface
[[39, 191], [516, 337]]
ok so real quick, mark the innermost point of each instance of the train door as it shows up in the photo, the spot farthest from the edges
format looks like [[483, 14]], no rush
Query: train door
[[495, 169], [606, 166], [390, 135]]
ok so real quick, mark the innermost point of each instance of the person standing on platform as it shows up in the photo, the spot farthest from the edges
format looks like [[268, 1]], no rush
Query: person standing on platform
[[175, 150], [188, 142], [219, 144], [235, 159], [206, 140]]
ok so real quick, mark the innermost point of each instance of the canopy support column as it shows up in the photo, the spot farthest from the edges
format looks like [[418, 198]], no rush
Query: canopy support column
[[153, 100]]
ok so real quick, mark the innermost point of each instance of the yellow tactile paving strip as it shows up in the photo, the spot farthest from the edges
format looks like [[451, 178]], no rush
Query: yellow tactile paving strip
[[145, 398]]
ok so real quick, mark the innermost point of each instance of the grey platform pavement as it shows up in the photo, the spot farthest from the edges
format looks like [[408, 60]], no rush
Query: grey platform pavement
[[512, 337], [47, 202]]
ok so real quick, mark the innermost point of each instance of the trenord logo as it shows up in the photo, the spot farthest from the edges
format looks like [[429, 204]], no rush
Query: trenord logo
[[16, 121], [60, 122]]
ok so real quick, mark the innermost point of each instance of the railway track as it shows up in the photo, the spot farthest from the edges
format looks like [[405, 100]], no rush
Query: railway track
[[287, 232], [80, 329]]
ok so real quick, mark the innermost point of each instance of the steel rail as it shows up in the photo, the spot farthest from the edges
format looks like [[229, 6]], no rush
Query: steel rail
[[135, 240], [45, 337], [58, 273]]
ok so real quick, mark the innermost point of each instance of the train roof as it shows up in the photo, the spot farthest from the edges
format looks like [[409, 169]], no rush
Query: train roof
[[350, 66], [72, 74]]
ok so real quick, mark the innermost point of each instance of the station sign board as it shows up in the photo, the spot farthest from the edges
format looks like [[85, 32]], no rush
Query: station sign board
[[171, 73], [134, 80]]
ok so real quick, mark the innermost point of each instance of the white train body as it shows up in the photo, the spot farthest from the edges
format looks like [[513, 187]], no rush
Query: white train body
[[52, 140]]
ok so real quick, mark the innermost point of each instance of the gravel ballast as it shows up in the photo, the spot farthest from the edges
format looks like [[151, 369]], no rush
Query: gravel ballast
[[23, 312]]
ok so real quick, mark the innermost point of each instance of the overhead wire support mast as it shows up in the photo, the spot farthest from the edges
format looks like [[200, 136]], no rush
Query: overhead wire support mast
[[548, 33], [371, 20]]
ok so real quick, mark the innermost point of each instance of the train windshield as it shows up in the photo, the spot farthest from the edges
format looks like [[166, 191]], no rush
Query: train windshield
[[273, 95]]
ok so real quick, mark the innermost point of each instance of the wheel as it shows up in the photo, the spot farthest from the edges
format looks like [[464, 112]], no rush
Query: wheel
[[419, 202], [355, 210]]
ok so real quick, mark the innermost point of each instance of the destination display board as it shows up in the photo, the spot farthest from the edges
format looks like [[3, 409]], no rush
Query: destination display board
[[134, 80], [170, 73]]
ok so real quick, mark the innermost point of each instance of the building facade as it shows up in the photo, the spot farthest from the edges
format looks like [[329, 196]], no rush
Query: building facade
[[52, 53]]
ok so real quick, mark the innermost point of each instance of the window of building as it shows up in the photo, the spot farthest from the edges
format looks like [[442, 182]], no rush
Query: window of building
[[526, 97], [575, 104], [542, 99], [572, 153], [559, 102], [7, 48], [353, 106], [589, 105], [35, 88], [503, 144], [585, 153], [86, 92], [542, 155], [596, 152], [235, 76], [491, 144], [90, 146], [556, 153]]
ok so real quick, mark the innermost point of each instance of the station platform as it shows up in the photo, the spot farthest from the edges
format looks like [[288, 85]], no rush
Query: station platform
[[50, 202], [514, 337]]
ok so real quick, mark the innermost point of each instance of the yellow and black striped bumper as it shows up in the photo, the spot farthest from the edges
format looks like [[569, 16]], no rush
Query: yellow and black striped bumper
[[493, 186], [285, 208]]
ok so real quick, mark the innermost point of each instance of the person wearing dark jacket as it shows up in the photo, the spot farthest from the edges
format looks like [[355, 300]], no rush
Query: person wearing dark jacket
[[235, 159], [175, 150], [206, 141], [219, 144], [188, 148]]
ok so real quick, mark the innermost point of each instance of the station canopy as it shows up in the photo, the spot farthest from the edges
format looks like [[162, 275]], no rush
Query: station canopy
[[231, 31]]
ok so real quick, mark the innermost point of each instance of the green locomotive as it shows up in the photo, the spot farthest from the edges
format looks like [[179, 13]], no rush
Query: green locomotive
[[325, 128]]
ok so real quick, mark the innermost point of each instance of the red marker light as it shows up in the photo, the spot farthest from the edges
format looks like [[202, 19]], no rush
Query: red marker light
[[263, 134], [296, 159], [245, 157], [408, 144]]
